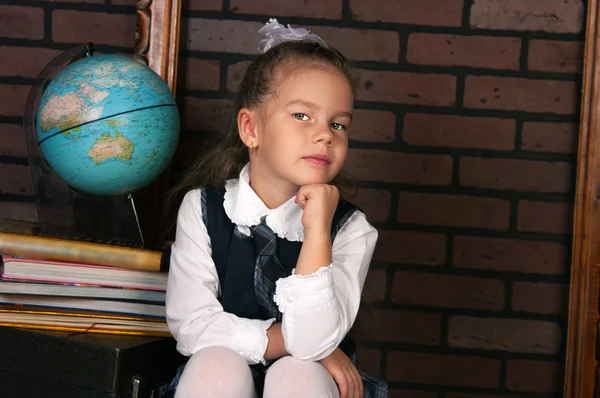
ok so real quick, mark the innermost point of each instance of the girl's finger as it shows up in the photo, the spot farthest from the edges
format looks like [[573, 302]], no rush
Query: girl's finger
[[300, 199], [352, 388], [342, 382], [359, 382], [303, 194], [355, 380]]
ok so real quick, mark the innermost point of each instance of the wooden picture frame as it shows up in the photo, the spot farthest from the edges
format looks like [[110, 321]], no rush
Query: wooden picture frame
[[581, 379], [157, 45], [157, 37]]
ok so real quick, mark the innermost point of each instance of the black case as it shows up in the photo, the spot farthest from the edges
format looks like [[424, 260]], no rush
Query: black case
[[56, 364]]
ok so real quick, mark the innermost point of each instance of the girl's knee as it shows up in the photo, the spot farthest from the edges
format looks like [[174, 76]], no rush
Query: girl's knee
[[212, 358], [290, 377], [215, 372]]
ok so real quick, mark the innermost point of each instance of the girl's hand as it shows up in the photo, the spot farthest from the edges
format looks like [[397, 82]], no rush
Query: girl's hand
[[319, 202], [344, 373]]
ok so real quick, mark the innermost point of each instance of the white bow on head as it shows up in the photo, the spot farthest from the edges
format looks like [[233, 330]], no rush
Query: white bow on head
[[276, 34]]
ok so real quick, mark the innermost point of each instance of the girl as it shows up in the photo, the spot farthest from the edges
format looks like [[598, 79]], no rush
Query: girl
[[268, 264]]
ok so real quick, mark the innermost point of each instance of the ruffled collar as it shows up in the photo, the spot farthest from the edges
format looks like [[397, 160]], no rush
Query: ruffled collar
[[245, 209]]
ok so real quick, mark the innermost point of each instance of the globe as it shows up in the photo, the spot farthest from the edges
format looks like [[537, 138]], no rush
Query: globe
[[107, 125]]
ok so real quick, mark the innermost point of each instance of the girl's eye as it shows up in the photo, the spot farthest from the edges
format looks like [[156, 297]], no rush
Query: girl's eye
[[338, 126], [300, 116]]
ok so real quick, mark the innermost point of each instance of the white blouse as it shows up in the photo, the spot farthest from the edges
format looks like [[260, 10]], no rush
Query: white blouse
[[318, 309]]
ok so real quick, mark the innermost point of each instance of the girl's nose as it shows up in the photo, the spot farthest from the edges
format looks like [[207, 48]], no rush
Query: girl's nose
[[323, 134]]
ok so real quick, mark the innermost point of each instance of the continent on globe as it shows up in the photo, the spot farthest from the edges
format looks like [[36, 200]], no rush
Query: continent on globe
[[67, 111], [107, 125], [92, 94], [107, 147]]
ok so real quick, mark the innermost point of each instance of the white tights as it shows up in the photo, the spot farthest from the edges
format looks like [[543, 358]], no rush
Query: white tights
[[219, 372]]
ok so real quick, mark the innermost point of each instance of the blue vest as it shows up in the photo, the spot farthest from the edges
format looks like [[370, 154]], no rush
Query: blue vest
[[234, 256]]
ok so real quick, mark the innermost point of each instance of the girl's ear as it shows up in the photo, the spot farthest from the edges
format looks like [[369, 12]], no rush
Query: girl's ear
[[248, 122]]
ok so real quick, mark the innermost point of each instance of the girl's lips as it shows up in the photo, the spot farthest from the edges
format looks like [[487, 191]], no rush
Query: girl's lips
[[317, 160]]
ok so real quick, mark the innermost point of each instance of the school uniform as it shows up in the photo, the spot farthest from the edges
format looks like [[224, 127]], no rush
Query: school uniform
[[212, 296]]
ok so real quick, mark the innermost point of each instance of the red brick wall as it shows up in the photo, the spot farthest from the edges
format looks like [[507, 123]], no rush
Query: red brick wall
[[463, 150]]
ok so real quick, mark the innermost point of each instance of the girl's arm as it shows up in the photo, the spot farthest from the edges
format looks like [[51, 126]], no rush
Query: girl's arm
[[194, 314], [276, 346], [320, 307]]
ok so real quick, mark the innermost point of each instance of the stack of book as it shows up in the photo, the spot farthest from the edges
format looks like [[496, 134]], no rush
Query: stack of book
[[64, 285]]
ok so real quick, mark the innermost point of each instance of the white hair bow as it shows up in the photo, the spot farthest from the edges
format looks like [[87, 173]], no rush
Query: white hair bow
[[276, 34]]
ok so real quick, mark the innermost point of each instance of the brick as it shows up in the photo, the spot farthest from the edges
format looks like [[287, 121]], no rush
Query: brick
[[202, 5], [63, 212], [407, 247], [555, 16], [13, 99], [397, 326], [517, 94], [69, 26], [19, 226], [22, 22], [375, 286], [12, 141], [455, 50], [413, 12], [540, 297], [25, 61], [198, 74], [513, 335], [373, 126], [410, 394], [407, 88], [453, 210], [360, 44], [375, 203], [408, 168], [550, 137], [516, 175], [451, 131], [220, 35], [555, 56], [326, 9], [235, 75], [548, 217], [369, 360], [509, 255], [15, 180], [534, 376], [442, 370], [448, 291], [21, 211], [208, 115], [355, 44]]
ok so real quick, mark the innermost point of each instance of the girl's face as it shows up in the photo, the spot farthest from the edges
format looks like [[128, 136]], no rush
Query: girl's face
[[303, 128]]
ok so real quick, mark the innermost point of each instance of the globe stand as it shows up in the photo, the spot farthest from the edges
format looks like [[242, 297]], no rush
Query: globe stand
[[137, 220], [62, 211]]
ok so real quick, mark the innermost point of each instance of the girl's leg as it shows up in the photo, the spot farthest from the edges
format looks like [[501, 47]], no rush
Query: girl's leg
[[290, 378], [216, 372]]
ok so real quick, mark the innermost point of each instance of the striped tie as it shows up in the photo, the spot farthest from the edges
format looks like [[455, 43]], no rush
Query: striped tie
[[268, 269]]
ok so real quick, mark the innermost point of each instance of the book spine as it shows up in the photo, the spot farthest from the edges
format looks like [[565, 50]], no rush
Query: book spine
[[37, 247], [91, 329], [40, 311]]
